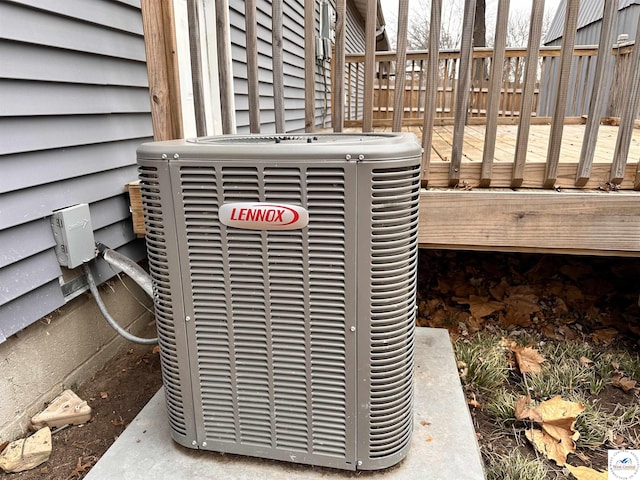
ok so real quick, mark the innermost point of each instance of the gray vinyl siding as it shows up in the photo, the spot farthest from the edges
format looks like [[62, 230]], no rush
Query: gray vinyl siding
[[589, 20], [74, 105], [588, 33], [293, 60]]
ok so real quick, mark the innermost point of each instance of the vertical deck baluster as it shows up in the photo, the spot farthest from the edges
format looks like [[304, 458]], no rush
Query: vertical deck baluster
[[278, 66], [337, 103], [630, 101], [557, 119], [225, 72], [431, 91], [495, 84], [599, 93], [309, 66], [252, 65], [401, 62], [526, 106], [369, 64], [462, 95]]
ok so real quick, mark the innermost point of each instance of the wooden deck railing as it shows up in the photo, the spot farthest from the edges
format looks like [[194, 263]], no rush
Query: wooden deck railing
[[511, 86], [565, 84]]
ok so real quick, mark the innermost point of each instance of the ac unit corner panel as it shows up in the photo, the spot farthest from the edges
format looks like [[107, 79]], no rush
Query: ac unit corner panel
[[293, 344]]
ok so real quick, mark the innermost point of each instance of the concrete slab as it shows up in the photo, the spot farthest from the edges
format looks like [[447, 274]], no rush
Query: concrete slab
[[443, 447]]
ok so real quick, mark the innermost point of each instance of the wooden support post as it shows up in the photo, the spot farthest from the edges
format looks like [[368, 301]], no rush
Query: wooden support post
[[530, 76], [557, 119], [495, 84], [252, 65], [278, 69], [431, 89], [631, 99], [310, 66], [162, 69], [600, 88], [337, 103], [401, 62], [462, 94], [369, 64]]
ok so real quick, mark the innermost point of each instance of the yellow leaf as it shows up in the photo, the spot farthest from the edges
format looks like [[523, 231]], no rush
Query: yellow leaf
[[558, 417], [529, 360], [549, 446], [560, 412], [586, 473]]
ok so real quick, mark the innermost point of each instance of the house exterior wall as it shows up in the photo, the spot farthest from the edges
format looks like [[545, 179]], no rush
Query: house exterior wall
[[588, 33], [74, 105]]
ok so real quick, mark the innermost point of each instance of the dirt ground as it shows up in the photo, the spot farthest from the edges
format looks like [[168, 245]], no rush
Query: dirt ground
[[609, 285], [116, 394]]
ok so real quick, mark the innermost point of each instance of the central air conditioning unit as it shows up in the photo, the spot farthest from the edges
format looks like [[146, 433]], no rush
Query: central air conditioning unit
[[284, 270]]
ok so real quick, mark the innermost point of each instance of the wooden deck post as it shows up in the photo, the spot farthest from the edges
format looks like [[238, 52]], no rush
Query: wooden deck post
[[162, 68]]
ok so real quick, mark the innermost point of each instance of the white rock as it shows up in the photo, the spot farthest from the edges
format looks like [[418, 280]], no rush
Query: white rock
[[27, 453]]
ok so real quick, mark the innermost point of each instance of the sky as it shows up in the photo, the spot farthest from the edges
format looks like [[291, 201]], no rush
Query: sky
[[517, 7]]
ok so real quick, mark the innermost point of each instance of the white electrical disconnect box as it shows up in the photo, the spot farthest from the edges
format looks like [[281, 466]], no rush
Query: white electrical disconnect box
[[73, 234]]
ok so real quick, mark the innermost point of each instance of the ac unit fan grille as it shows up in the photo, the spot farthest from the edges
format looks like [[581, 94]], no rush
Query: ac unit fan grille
[[394, 229], [268, 377], [158, 265]]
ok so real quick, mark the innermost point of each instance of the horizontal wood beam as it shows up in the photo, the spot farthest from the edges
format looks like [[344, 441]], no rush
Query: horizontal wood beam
[[533, 175], [593, 223]]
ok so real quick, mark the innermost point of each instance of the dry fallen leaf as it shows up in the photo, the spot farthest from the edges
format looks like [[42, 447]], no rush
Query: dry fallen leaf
[[585, 362], [604, 335], [522, 411], [625, 383], [557, 418], [586, 473], [480, 307], [528, 359], [549, 446], [104, 395]]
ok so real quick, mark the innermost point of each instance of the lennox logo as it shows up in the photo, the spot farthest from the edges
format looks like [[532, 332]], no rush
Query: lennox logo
[[263, 216]]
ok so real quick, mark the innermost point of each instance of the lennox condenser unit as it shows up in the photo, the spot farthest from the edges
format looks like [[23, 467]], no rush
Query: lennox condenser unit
[[284, 270]]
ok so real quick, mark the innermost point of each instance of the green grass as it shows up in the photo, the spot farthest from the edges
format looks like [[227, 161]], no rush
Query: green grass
[[489, 375], [513, 466], [486, 362]]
